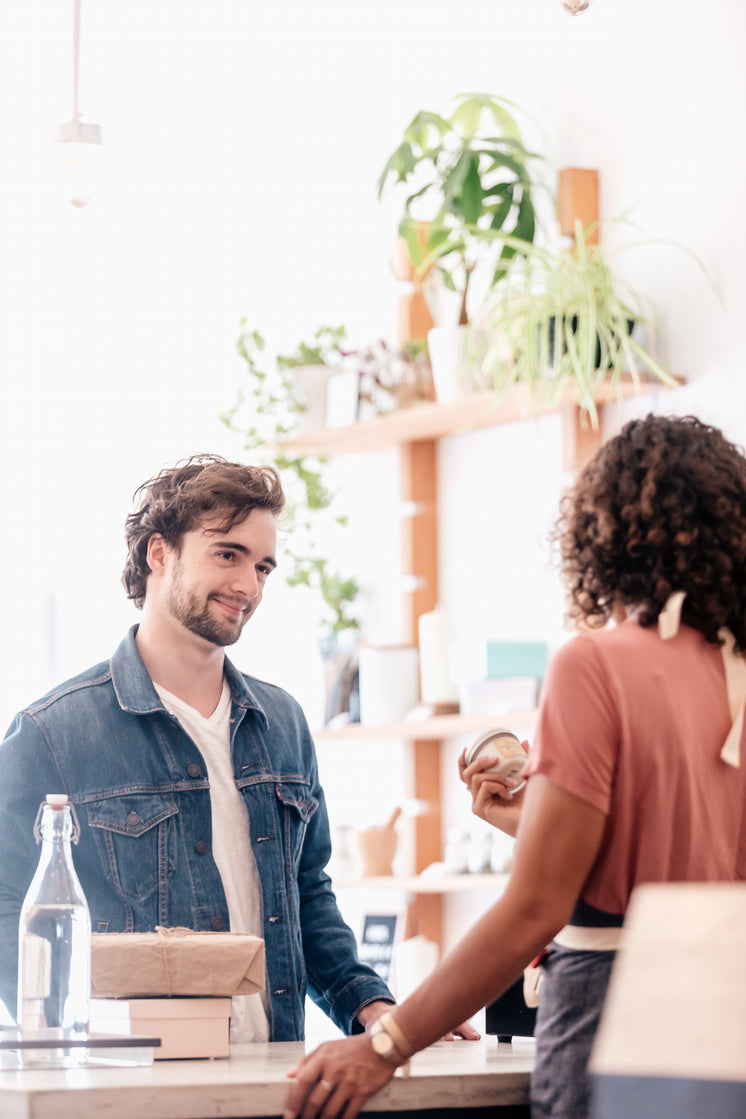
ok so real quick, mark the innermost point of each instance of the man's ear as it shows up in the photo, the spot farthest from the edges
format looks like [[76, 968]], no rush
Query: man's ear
[[157, 553]]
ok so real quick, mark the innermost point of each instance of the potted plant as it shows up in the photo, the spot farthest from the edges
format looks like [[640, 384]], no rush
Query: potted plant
[[470, 182], [266, 413], [390, 377], [559, 318], [306, 371]]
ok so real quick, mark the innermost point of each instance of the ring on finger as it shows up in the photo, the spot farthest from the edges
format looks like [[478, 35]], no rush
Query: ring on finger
[[326, 1085]]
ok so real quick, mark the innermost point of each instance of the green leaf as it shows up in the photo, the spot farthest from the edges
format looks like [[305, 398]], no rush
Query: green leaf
[[468, 116], [500, 213], [471, 194], [408, 231], [418, 131], [455, 176], [413, 198], [436, 235], [401, 163], [472, 108]]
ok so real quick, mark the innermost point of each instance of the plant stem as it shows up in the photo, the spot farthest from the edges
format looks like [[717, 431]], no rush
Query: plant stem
[[463, 316]]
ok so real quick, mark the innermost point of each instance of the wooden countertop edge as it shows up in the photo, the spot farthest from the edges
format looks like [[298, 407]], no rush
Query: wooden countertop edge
[[252, 1082]]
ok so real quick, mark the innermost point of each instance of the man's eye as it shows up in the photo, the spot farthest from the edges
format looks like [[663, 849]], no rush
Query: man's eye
[[227, 555], [264, 569]]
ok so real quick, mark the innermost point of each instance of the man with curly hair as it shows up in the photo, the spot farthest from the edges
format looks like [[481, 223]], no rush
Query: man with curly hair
[[195, 785], [637, 772]]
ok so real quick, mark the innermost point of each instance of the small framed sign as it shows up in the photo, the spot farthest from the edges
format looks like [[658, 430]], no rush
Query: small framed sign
[[380, 935]]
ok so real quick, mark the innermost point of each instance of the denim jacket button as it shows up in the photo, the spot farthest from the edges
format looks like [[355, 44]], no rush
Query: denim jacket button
[[217, 924], [133, 818], [200, 846], [194, 770]]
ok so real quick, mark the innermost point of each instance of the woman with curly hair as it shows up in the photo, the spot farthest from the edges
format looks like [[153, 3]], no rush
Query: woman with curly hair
[[637, 773]]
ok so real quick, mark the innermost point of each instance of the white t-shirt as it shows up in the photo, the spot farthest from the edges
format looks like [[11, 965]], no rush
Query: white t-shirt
[[231, 845]]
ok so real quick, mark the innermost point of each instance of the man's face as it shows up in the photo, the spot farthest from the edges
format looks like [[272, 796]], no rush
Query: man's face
[[215, 583]]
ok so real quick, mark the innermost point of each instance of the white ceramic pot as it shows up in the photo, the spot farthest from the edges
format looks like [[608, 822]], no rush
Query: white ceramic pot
[[450, 348], [312, 380], [389, 682]]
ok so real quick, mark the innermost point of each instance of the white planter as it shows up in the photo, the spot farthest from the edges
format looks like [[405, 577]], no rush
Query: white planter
[[389, 682], [450, 348], [312, 380]]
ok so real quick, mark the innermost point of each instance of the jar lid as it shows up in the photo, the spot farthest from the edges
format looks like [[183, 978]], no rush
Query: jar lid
[[56, 800], [489, 737]]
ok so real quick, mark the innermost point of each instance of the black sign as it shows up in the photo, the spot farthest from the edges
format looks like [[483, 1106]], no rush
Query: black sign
[[377, 947]]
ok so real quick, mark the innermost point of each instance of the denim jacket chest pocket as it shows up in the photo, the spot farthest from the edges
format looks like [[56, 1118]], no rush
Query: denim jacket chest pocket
[[136, 837], [298, 806]]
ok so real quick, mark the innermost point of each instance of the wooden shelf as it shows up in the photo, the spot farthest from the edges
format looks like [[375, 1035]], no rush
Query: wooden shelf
[[434, 421], [417, 884], [434, 729], [415, 432]]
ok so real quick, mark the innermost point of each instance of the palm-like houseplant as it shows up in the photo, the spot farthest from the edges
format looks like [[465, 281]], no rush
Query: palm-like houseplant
[[469, 178]]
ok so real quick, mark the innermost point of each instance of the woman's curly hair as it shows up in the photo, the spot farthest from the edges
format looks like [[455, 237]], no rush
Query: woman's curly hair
[[176, 500], [660, 508]]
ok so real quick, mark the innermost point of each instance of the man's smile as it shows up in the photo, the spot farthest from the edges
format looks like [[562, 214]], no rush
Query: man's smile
[[235, 608]]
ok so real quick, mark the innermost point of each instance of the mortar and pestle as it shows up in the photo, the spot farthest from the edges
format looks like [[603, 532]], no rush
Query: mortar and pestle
[[376, 846]]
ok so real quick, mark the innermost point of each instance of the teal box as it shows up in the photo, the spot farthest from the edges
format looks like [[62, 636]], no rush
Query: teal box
[[490, 660]]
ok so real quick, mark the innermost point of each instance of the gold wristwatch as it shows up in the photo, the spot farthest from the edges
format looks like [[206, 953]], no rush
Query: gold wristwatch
[[389, 1042]]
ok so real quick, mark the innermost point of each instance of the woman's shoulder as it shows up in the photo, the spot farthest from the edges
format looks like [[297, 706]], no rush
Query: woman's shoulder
[[589, 650]]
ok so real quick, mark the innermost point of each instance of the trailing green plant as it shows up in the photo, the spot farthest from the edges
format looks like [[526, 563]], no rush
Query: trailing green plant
[[324, 349], [470, 177], [266, 414], [559, 318]]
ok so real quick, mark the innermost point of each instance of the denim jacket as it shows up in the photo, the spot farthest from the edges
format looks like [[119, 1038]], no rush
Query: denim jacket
[[141, 794]]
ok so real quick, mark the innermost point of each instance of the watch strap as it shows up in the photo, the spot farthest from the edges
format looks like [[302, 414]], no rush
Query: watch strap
[[400, 1049]]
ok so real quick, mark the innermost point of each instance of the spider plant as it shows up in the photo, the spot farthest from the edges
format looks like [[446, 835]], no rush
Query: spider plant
[[559, 318]]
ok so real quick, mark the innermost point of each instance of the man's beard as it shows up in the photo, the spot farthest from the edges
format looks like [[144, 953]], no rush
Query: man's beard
[[197, 617]]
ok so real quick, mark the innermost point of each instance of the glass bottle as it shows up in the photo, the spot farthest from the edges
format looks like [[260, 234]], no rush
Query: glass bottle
[[54, 943]]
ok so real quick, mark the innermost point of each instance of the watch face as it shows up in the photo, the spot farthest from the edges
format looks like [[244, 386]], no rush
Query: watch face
[[382, 1044]]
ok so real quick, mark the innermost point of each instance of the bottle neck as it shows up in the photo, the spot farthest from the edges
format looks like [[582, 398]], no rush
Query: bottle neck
[[55, 878], [55, 831], [56, 825]]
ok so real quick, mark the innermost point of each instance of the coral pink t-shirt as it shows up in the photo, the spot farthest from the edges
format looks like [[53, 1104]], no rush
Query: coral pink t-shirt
[[634, 725]]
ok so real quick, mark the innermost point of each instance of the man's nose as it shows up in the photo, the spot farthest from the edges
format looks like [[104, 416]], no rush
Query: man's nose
[[246, 581]]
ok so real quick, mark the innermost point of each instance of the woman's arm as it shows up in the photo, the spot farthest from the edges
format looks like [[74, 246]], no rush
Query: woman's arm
[[558, 839]]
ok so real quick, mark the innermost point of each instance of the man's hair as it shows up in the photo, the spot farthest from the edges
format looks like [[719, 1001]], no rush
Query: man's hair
[[659, 508], [177, 500]]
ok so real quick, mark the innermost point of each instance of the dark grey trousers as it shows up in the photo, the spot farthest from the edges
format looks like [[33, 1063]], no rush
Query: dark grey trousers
[[570, 1002]]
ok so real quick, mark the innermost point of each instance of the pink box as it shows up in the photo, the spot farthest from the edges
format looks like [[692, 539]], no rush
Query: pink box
[[187, 1027]]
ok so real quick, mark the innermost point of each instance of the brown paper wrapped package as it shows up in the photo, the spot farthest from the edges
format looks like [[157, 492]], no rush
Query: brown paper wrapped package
[[176, 962]]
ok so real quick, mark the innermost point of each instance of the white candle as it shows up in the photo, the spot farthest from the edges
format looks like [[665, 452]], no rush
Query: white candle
[[436, 685]]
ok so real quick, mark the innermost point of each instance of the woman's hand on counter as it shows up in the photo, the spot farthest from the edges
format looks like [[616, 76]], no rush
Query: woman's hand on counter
[[465, 1031], [336, 1079]]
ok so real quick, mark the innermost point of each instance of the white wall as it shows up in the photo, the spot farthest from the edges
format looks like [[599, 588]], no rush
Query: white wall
[[242, 147]]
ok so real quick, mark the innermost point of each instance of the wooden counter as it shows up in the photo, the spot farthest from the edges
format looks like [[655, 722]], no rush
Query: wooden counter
[[459, 1075]]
